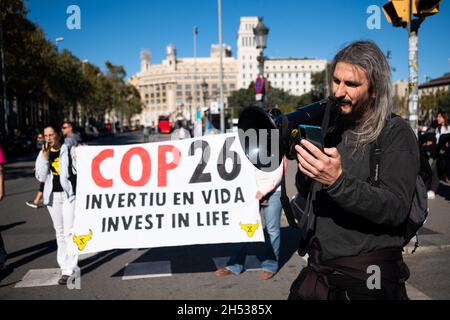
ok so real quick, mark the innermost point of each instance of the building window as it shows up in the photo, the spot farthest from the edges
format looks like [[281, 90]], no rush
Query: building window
[[232, 86], [187, 86], [179, 93], [179, 86]]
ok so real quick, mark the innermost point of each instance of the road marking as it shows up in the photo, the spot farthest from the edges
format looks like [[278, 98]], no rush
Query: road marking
[[40, 278], [142, 270], [252, 263]]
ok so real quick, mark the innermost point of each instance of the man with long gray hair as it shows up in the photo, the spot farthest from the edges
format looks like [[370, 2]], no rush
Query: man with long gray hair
[[355, 239]]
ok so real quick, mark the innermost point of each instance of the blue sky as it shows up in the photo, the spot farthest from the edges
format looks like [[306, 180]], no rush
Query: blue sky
[[117, 30]]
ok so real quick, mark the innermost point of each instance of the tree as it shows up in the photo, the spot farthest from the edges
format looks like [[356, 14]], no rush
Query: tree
[[319, 83], [444, 102]]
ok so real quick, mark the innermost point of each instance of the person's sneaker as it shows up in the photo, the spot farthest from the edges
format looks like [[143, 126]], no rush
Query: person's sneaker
[[63, 280], [431, 195], [32, 204]]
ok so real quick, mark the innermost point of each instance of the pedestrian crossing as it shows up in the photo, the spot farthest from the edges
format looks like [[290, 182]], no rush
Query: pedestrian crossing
[[132, 271]]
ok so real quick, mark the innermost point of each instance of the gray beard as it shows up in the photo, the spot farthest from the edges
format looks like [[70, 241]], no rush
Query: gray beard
[[357, 114]]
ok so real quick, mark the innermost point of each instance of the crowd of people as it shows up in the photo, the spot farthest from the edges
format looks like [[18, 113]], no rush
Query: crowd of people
[[435, 140]]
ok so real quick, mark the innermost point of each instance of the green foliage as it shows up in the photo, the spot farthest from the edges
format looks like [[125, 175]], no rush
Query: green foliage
[[276, 98], [444, 102], [36, 71], [432, 102]]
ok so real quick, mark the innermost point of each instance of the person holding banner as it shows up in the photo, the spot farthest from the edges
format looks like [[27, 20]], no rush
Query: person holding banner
[[59, 196], [180, 132], [269, 192]]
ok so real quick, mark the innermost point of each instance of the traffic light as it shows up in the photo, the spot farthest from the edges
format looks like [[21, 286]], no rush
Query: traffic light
[[424, 8], [397, 12]]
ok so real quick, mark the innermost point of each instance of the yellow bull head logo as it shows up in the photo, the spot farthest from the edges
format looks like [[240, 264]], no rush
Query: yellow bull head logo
[[81, 241], [249, 228]]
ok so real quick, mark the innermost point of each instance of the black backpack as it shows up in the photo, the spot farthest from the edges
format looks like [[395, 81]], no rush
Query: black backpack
[[419, 207]]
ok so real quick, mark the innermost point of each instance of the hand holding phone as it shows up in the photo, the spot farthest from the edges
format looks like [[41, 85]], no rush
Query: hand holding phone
[[313, 134], [45, 149]]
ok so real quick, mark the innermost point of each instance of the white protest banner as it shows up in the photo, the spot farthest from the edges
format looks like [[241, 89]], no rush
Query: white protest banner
[[173, 193]]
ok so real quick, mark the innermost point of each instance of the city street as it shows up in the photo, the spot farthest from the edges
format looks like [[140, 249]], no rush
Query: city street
[[184, 273]]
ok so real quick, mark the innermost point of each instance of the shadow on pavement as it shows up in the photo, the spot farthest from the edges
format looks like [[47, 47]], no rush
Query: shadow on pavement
[[199, 258], [20, 171], [42, 249], [94, 262]]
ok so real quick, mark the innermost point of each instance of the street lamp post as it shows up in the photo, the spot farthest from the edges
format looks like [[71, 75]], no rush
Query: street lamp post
[[261, 33], [204, 86], [198, 113], [57, 41], [222, 105]]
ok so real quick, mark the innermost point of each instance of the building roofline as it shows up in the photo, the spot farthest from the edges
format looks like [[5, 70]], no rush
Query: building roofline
[[441, 81]]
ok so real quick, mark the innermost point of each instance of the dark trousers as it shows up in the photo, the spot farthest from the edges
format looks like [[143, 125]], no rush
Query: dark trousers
[[346, 288], [343, 287]]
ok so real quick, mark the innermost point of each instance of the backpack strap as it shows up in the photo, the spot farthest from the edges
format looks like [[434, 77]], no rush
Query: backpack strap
[[375, 162], [285, 202], [375, 155]]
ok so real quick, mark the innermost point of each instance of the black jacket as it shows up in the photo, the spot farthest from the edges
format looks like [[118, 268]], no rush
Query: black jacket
[[351, 217]]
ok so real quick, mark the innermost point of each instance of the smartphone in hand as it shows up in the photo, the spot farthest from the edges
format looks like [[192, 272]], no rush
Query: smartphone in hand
[[313, 134]]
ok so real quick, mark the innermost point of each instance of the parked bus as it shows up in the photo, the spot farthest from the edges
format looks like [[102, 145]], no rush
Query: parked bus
[[164, 124]]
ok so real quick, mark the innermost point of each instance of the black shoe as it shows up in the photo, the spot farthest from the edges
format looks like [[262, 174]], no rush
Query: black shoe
[[63, 280]]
